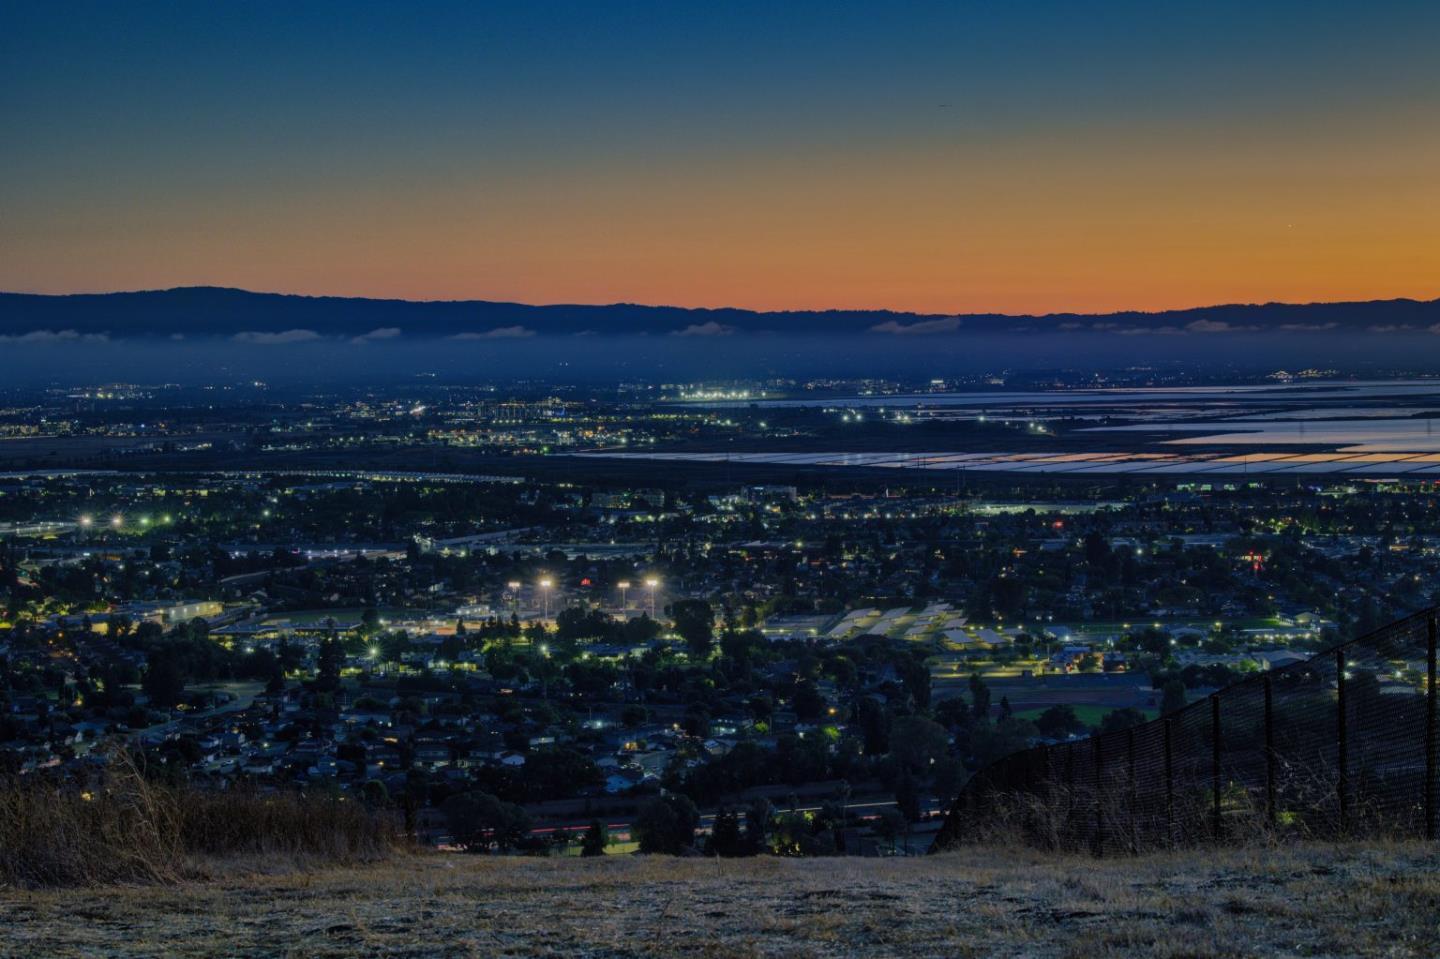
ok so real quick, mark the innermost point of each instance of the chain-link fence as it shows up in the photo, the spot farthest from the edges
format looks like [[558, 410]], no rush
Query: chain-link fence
[[1342, 744]]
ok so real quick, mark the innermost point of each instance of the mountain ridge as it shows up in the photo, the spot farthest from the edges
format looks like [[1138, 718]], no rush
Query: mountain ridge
[[213, 311]]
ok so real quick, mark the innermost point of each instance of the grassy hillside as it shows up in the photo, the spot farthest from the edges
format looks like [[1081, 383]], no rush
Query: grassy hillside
[[1340, 900]]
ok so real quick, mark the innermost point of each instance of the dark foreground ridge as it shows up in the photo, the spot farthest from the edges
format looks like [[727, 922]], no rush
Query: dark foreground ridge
[[262, 317], [1343, 744]]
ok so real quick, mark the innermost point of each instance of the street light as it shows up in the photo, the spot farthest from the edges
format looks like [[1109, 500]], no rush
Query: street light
[[651, 584], [545, 585], [624, 585]]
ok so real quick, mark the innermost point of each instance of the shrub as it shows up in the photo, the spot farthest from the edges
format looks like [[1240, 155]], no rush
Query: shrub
[[130, 829]]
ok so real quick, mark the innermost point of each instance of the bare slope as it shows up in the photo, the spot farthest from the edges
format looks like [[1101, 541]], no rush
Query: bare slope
[[1301, 901]]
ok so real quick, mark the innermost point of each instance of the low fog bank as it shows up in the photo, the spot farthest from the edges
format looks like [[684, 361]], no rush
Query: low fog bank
[[610, 359]]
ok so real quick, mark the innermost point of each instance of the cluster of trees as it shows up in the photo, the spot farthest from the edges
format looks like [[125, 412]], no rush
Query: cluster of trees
[[480, 821], [186, 655], [667, 825]]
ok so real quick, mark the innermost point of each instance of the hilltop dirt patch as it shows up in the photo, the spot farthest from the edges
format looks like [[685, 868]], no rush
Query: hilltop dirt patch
[[1332, 900]]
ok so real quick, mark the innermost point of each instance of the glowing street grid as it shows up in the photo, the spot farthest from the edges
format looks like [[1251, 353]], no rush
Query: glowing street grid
[[1251, 464]]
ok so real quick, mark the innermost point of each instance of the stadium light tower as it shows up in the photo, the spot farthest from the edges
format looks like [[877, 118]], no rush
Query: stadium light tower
[[624, 585], [545, 585], [652, 584]]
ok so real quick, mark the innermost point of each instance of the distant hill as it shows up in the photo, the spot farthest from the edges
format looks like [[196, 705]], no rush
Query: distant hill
[[274, 317]]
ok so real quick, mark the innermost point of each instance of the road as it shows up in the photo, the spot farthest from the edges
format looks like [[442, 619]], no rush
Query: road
[[244, 694]]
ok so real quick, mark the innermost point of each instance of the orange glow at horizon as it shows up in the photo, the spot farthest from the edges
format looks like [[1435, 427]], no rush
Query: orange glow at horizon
[[946, 229]]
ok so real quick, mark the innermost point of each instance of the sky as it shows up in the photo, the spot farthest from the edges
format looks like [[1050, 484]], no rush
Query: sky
[[962, 156]]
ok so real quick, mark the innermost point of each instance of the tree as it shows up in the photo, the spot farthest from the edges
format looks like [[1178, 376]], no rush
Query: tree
[[1118, 719], [809, 704], [695, 622], [980, 696], [639, 630], [657, 828], [917, 742], [1058, 722], [696, 721], [725, 837], [331, 656], [595, 840], [555, 772], [163, 682], [953, 713], [1172, 697], [907, 797], [666, 824], [916, 677], [375, 794], [1097, 549], [991, 742], [947, 775], [758, 817], [874, 726], [889, 824], [479, 820]]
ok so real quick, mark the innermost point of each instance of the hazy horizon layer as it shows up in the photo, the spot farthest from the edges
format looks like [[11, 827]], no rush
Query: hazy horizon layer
[[613, 359]]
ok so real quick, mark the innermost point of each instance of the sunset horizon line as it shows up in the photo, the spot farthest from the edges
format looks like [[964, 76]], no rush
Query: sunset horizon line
[[762, 311]]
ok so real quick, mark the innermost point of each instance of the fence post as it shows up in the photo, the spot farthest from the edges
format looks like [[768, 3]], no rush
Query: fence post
[[1169, 788], [1215, 761], [1099, 798], [1132, 791], [1069, 787], [1269, 754], [1430, 757], [1342, 742]]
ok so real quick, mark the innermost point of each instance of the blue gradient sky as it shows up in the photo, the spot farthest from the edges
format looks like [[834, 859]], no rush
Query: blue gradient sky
[[1015, 156]]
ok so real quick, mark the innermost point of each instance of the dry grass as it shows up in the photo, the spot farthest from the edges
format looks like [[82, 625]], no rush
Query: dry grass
[[1303, 900], [132, 830]]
